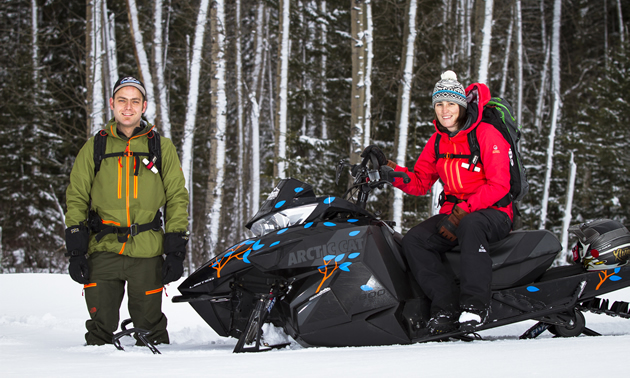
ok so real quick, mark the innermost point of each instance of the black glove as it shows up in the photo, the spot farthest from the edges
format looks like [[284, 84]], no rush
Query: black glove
[[77, 239], [448, 225], [175, 250], [380, 156], [79, 270]]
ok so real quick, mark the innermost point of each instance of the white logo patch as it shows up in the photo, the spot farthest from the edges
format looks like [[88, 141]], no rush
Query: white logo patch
[[482, 249]]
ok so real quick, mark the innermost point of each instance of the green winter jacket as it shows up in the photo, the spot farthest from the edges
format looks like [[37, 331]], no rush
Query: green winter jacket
[[121, 198]]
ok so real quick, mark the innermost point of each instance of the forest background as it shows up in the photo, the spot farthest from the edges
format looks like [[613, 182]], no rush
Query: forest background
[[252, 91]]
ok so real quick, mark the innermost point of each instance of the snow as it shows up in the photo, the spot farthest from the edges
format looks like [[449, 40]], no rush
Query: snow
[[42, 325]]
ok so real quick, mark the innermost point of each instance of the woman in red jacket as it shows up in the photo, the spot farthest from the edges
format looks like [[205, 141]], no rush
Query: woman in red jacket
[[470, 215]]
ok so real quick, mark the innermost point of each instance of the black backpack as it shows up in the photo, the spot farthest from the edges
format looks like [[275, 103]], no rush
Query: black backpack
[[499, 113], [154, 155]]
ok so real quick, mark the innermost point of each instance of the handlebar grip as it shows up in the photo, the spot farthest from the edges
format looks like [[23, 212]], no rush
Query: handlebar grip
[[402, 175]]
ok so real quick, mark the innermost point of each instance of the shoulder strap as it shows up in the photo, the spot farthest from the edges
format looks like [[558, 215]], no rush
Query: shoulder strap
[[438, 137], [475, 151], [100, 142], [155, 149]]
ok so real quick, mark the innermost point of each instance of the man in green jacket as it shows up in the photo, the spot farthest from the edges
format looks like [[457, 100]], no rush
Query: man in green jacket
[[120, 204]]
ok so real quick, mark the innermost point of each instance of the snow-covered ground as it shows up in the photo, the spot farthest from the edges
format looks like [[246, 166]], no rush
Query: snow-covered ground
[[42, 325]]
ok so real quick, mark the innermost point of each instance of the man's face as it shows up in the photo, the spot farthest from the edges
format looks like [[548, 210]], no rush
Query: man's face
[[128, 107]]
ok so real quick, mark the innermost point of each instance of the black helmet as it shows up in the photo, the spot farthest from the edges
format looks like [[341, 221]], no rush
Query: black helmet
[[602, 244]]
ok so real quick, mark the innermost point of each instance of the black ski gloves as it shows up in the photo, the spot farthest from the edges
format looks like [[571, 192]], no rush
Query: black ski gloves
[[448, 225], [79, 270], [77, 239], [175, 251], [380, 156]]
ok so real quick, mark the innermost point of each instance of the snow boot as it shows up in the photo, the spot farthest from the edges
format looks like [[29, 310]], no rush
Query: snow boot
[[472, 318], [442, 322]]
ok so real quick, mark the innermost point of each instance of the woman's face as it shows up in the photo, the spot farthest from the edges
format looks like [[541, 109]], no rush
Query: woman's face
[[447, 113]]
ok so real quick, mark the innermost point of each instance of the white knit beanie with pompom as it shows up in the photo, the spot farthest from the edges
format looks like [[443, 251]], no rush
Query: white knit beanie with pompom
[[449, 89]]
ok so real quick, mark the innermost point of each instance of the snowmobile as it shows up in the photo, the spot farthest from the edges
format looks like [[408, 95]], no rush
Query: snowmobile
[[330, 273]]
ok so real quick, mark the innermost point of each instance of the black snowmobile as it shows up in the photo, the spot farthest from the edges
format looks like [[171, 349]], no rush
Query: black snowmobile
[[330, 273]]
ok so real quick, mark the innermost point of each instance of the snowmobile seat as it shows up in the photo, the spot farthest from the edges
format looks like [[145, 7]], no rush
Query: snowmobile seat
[[521, 258]]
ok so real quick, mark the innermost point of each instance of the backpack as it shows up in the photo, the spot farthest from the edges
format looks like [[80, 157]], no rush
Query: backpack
[[154, 155], [499, 113]]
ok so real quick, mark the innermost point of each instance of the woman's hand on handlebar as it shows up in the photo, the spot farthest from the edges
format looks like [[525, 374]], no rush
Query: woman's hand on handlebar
[[376, 152]]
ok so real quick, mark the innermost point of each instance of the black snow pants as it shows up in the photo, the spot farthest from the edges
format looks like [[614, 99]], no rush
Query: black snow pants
[[424, 247]]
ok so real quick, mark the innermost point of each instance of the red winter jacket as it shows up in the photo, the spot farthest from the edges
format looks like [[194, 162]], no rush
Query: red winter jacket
[[479, 190]]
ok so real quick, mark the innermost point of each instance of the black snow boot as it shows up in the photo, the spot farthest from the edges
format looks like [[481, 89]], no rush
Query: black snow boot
[[442, 322]]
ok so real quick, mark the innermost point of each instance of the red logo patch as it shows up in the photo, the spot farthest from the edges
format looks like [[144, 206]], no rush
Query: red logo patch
[[92, 310]]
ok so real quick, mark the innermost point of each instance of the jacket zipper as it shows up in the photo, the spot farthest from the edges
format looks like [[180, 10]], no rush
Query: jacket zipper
[[127, 154]]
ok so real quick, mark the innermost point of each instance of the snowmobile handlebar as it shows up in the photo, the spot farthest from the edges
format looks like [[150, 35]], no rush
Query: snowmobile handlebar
[[366, 179]]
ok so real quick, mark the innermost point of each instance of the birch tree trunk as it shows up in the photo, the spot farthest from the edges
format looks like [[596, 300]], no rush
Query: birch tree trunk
[[436, 190], [214, 194], [89, 61], [446, 11], [110, 74], [255, 99], [519, 63], [555, 89], [543, 87], [36, 88], [94, 66], [240, 189], [546, 47], [484, 57], [566, 222], [35, 44], [606, 35], [359, 54], [506, 57], [369, 56], [404, 99], [622, 30], [158, 70], [191, 110], [141, 59], [280, 159], [461, 27], [469, 12], [323, 41]]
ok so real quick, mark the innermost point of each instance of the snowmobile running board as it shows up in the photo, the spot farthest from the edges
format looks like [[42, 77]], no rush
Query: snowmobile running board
[[141, 334]]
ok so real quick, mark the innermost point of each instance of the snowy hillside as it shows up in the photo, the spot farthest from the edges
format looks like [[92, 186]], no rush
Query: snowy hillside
[[42, 325]]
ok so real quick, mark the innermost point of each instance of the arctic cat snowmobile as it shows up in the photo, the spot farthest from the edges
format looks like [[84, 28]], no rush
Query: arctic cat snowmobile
[[330, 273]]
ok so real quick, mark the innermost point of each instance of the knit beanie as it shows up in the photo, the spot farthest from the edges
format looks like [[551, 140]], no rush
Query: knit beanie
[[449, 89]]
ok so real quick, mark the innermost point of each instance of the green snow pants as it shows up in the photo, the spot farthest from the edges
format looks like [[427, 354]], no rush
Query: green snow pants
[[104, 295]]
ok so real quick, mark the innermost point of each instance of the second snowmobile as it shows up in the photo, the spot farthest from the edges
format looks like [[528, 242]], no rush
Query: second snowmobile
[[330, 273]]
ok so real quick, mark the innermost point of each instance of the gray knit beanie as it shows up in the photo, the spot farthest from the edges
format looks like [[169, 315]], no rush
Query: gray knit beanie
[[449, 89]]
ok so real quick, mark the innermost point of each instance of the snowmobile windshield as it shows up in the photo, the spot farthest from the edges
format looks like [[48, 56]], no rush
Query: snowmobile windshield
[[282, 219], [288, 193]]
